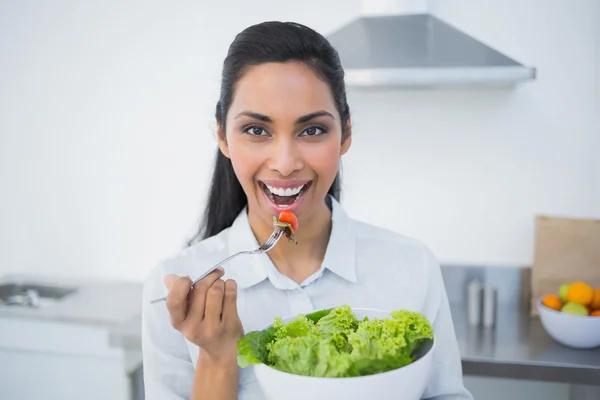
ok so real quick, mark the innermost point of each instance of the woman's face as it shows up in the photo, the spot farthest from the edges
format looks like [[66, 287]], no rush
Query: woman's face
[[284, 139]]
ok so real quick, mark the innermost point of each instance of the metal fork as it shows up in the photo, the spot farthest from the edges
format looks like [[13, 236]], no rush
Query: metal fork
[[269, 244]]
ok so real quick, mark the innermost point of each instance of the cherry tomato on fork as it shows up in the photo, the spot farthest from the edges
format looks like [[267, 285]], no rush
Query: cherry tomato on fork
[[290, 218]]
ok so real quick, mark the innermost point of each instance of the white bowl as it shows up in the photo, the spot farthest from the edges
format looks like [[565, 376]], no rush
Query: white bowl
[[576, 331], [408, 382]]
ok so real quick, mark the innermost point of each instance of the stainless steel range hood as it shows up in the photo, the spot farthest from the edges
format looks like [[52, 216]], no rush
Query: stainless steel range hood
[[420, 50]]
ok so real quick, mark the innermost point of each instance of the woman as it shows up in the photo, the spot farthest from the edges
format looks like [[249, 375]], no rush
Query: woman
[[283, 125]]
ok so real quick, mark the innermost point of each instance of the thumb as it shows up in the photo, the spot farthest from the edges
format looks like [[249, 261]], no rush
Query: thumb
[[170, 280]]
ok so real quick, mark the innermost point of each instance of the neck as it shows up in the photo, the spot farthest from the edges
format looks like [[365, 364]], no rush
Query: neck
[[297, 261]]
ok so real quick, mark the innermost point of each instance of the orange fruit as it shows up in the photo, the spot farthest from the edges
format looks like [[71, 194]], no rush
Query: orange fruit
[[595, 303], [552, 301], [580, 293], [595, 313]]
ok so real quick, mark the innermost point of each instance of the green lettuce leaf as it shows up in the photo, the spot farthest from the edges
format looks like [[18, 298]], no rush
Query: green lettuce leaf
[[296, 355], [252, 348], [339, 320], [377, 338], [309, 356], [317, 315], [330, 362], [299, 326], [379, 345], [340, 341], [417, 328]]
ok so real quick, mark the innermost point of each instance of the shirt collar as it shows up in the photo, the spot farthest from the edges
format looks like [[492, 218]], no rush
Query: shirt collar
[[253, 269]]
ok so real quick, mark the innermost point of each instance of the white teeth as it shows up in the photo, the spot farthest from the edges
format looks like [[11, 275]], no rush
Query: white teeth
[[285, 192]]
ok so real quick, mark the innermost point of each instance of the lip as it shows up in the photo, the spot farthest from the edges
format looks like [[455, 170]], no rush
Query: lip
[[284, 184], [277, 209]]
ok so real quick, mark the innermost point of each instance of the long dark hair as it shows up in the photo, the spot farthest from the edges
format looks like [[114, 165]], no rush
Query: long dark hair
[[257, 44]]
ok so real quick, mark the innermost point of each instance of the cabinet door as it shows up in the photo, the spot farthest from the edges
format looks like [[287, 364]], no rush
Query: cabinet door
[[35, 375], [43, 359]]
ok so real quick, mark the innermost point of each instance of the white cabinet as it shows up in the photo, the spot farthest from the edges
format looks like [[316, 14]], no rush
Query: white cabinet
[[53, 360]]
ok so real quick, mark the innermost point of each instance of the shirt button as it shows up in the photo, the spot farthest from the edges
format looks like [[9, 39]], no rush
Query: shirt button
[[301, 297]]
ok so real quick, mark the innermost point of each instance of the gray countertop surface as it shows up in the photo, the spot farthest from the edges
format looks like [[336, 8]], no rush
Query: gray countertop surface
[[519, 347], [95, 302]]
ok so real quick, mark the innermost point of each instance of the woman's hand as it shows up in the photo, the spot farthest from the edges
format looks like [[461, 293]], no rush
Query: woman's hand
[[207, 314]]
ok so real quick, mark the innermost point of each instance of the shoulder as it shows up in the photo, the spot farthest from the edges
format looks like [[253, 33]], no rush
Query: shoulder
[[185, 262], [382, 251], [402, 269]]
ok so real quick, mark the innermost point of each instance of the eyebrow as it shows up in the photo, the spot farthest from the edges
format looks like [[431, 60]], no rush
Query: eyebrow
[[300, 120]]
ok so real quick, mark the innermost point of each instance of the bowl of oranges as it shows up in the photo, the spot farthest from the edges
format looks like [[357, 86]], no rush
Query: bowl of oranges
[[572, 315]]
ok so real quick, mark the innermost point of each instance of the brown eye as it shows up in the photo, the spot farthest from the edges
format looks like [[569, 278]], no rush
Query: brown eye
[[255, 131], [313, 131]]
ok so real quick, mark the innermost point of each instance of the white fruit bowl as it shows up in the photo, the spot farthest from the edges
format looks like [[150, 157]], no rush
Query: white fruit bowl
[[408, 382], [576, 331]]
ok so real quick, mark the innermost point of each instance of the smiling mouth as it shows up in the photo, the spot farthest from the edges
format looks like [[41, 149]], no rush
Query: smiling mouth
[[287, 196]]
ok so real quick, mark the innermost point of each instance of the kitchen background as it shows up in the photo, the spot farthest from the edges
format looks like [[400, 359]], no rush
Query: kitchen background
[[107, 136]]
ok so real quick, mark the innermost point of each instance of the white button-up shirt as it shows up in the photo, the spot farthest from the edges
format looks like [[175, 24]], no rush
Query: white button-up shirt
[[364, 266]]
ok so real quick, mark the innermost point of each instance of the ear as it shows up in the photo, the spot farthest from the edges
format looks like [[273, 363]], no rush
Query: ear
[[348, 140], [346, 144], [223, 145]]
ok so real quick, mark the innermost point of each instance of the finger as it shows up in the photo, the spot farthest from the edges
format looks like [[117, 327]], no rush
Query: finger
[[209, 279], [198, 298], [214, 303], [170, 280], [177, 300], [230, 312]]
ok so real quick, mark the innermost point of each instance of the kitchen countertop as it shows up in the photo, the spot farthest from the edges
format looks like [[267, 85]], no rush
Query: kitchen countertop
[[519, 347], [96, 302]]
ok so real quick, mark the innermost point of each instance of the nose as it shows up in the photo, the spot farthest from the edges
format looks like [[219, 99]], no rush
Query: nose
[[285, 156]]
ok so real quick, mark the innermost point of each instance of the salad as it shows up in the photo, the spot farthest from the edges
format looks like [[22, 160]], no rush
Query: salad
[[334, 343]]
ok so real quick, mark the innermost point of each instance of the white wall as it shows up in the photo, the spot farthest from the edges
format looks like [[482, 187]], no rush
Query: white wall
[[106, 137]]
